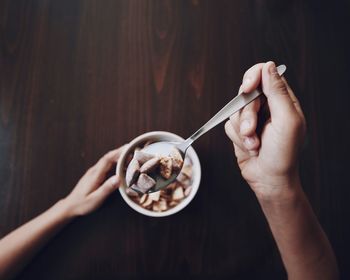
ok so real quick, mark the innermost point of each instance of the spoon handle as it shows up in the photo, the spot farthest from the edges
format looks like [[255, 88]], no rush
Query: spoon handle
[[232, 107]]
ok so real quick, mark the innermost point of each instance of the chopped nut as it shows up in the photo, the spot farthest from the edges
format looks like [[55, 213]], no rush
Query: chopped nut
[[182, 178], [178, 193], [142, 157], [148, 202], [186, 183], [166, 167], [173, 203], [165, 195], [187, 171], [132, 172], [150, 165], [143, 198], [154, 196], [163, 205], [155, 207], [131, 192], [145, 182], [177, 160]]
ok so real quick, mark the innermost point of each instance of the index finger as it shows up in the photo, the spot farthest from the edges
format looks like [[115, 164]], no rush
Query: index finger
[[105, 163], [109, 159], [252, 78]]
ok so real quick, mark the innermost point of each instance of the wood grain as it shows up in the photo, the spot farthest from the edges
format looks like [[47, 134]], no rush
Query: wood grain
[[78, 78]]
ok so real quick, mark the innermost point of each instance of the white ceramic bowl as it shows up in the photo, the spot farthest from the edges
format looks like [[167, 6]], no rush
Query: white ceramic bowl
[[159, 136]]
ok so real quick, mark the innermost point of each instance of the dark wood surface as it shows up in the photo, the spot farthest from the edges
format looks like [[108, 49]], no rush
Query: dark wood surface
[[78, 78]]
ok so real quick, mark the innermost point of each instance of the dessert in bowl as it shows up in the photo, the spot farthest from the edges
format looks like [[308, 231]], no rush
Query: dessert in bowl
[[169, 200]]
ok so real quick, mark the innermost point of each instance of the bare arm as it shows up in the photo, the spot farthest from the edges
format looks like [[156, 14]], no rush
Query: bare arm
[[304, 247], [269, 163], [19, 247]]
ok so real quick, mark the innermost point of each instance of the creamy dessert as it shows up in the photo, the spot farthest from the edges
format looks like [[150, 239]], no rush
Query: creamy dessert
[[141, 171]]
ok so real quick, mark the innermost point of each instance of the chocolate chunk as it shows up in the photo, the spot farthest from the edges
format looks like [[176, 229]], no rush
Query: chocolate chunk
[[177, 160], [155, 196], [150, 165], [130, 191], [178, 194], [145, 183], [132, 172], [142, 157]]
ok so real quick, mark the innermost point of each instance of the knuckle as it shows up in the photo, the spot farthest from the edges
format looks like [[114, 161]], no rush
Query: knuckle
[[230, 132], [107, 188], [234, 119], [251, 70], [91, 170], [109, 157], [279, 86], [243, 172], [247, 113], [105, 158]]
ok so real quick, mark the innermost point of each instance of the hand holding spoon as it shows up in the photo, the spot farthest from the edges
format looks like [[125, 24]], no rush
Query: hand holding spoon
[[165, 148]]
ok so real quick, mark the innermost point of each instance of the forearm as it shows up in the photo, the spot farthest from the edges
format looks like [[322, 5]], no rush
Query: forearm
[[304, 247], [18, 247]]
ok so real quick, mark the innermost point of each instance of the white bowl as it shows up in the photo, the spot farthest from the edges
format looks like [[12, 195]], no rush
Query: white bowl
[[158, 136]]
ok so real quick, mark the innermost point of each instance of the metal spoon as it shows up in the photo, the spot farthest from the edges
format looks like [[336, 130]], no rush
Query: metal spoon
[[165, 148]]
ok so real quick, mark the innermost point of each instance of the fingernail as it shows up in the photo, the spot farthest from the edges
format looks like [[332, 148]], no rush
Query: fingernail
[[272, 68], [249, 141], [245, 125]]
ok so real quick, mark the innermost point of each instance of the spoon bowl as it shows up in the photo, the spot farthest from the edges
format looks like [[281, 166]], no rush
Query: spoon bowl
[[164, 149]]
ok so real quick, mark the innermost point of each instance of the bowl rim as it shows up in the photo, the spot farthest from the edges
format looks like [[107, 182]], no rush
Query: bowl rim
[[196, 169]]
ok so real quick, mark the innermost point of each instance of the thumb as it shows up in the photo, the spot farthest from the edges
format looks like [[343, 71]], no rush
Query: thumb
[[280, 104]]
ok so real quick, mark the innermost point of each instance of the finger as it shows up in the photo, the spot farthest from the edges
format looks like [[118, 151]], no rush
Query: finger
[[249, 118], [109, 186], [252, 144], [252, 77], [247, 145], [234, 136], [240, 152], [280, 104], [294, 98], [105, 163]]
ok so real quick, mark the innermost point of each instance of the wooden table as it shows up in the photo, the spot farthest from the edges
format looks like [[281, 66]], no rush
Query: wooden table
[[78, 78]]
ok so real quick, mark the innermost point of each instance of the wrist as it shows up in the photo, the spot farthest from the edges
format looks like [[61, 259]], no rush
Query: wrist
[[281, 190], [65, 209]]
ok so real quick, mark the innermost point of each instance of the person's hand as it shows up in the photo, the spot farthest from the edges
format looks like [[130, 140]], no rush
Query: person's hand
[[91, 190], [268, 160]]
